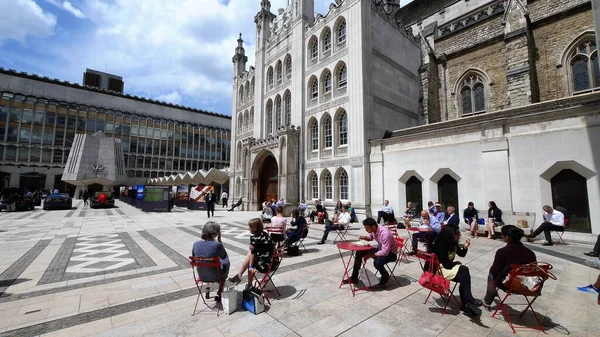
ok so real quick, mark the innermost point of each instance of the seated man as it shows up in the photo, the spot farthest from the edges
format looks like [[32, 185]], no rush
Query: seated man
[[429, 228], [451, 217], [302, 207], [553, 221], [267, 213], [409, 214], [386, 252], [384, 211], [343, 220], [438, 213]]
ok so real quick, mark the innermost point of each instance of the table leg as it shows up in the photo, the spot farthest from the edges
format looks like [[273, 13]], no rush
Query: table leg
[[347, 269]]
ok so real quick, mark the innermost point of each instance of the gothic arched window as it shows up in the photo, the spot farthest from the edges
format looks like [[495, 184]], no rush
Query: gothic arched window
[[343, 185], [342, 76], [270, 78], [328, 139], [287, 107], [277, 112], [314, 49], [279, 71], [269, 118], [328, 184], [327, 40], [314, 186], [327, 82], [583, 61], [314, 136], [472, 95], [288, 66], [341, 32], [314, 88]]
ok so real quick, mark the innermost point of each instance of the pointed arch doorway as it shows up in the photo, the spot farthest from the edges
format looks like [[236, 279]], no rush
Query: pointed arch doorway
[[268, 180]]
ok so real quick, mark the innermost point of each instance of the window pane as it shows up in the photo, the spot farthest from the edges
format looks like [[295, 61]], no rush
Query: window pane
[[342, 77], [269, 120], [327, 84], [328, 138], [596, 70], [328, 187], [315, 136], [479, 97], [344, 186], [315, 187], [343, 129], [581, 77], [277, 113], [315, 89], [288, 109], [466, 100]]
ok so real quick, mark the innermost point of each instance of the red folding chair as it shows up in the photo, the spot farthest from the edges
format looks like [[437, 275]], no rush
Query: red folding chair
[[300, 242], [205, 263], [536, 274], [400, 244], [279, 232], [261, 282], [434, 280]]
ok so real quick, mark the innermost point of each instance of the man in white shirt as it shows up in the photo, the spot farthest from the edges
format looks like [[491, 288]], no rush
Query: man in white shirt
[[224, 198], [342, 221], [553, 221], [384, 211]]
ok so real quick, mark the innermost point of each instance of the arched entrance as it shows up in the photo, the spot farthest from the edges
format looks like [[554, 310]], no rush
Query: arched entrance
[[569, 192], [448, 191], [268, 179], [414, 193]]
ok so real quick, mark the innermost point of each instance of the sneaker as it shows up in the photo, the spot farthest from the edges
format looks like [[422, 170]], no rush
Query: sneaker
[[547, 243], [529, 238], [468, 310], [589, 289], [321, 242], [349, 280], [592, 254]]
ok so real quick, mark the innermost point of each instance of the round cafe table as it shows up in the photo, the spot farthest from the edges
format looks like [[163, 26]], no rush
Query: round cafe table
[[348, 266]]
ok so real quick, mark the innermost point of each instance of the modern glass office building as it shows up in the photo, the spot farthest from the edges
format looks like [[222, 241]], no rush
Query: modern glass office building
[[39, 118]]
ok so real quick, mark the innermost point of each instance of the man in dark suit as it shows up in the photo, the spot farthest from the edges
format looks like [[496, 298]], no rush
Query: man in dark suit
[[211, 198], [451, 218]]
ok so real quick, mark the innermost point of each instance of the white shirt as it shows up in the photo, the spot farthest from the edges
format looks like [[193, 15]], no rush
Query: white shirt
[[450, 217], [224, 195], [344, 218], [556, 218], [388, 209]]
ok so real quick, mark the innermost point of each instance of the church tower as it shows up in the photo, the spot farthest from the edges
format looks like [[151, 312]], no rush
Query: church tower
[[239, 59], [303, 9]]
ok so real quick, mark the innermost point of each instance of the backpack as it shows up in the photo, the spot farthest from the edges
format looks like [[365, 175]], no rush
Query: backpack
[[293, 251]]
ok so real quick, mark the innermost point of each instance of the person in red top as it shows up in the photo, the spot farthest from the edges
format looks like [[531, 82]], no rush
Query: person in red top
[[386, 252], [513, 253]]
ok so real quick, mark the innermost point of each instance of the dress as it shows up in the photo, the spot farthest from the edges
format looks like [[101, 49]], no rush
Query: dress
[[263, 251]]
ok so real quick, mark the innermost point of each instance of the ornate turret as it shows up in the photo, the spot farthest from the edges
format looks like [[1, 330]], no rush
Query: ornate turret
[[239, 59], [263, 21]]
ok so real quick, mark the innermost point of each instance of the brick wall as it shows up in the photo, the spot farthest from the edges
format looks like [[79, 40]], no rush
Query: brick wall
[[471, 36], [489, 59], [551, 40], [544, 8]]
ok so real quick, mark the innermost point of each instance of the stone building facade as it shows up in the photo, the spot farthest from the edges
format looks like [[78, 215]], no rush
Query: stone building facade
[[321, 88], [509, 103]]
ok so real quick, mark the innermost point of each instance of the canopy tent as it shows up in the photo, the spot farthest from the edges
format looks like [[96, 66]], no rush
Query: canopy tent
[[192, 178]]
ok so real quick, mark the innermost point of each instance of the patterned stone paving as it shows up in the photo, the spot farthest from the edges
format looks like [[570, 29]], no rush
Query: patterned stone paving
[[122, 272]]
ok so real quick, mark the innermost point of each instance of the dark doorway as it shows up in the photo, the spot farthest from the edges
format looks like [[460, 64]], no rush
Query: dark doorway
[[569, 191], [63, 187], [32, 181], [268, 180], [414, 193], [93, 188], [448, 192]]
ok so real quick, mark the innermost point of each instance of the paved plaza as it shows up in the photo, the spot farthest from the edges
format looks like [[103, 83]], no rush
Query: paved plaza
[[122, 272]]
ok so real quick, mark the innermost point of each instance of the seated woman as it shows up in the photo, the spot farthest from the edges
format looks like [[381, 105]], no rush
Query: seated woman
[[208, 247], [294, 234], [260, 253], [446, 248], [267, 212], [278, 221], [494, 219], [409, 214], [513, 253]]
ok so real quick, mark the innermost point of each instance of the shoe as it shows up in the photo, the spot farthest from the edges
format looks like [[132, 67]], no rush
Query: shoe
[[476, 302], [592, 254], [321, 242], [218, 299], [468, 310], [349, 280], [236, 279], [412, 253], [589, 289], [487, 306], [547, 244], [529, 238], [377, 287]]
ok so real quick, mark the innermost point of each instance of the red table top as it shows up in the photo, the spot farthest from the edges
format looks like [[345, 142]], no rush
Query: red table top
[[417, 229], [351, 246]]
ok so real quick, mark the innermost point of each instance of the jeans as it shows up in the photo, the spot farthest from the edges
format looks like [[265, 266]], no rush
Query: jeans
[[490, 291], [379, 264], [329, 226], [429, 237], [464, 279], [547, 227]]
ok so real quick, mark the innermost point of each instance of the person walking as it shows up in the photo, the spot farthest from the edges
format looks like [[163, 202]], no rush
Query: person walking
[[85, 198], [210, 202], [224, 197]]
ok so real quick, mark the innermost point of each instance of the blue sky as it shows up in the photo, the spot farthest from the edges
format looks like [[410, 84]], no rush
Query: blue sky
[[173, 50]]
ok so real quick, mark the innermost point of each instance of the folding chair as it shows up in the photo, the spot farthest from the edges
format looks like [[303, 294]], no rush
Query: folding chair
[[205, 263], [538, 273], [279, 232], [300, 242], [400, 244], [433, 266], [341, 233], [267, 277], [561, 233]]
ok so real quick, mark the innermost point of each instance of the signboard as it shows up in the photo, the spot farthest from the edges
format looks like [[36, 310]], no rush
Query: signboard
[[156, 199], [139, 199], [197, 197], [181, 196]]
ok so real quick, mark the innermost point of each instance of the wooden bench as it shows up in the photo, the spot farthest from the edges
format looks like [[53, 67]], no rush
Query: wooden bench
[[511, 218]]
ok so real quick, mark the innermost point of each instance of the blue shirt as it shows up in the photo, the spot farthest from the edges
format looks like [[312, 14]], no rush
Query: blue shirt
[[434, 224], [440, 216]]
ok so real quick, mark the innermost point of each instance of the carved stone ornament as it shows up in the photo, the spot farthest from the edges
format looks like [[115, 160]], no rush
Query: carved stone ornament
[[97, 168]]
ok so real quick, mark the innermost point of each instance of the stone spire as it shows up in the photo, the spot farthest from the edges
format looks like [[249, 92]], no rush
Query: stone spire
[[239, 59], [263, 21]]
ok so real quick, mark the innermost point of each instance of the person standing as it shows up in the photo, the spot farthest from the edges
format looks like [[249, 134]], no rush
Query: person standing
[[224, 197], [85, 198], [553, 221], [210, 202]]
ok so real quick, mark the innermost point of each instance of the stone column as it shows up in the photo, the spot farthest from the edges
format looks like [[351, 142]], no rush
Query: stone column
[[596, 9]]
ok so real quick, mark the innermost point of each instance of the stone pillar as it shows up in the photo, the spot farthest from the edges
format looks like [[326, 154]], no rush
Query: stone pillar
[[15, 180], [596, 9]]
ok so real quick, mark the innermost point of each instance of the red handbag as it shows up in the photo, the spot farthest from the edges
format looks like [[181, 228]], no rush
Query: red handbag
[[434, 282]]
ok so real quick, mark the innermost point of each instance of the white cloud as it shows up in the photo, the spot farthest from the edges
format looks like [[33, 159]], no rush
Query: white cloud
[[68, 6], [173, 97], [23, 18]]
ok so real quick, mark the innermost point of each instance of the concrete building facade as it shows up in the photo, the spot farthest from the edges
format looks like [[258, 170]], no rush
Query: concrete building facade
[[39, 118], [509, 107], [321, 88]]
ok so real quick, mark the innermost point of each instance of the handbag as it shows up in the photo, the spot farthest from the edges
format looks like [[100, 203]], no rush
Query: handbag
[[531, 283], [253, 300], [434, 282]]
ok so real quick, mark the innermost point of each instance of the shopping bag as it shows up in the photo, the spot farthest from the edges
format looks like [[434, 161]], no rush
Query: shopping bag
[[522, 223], [253, 300], [229, 300]]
